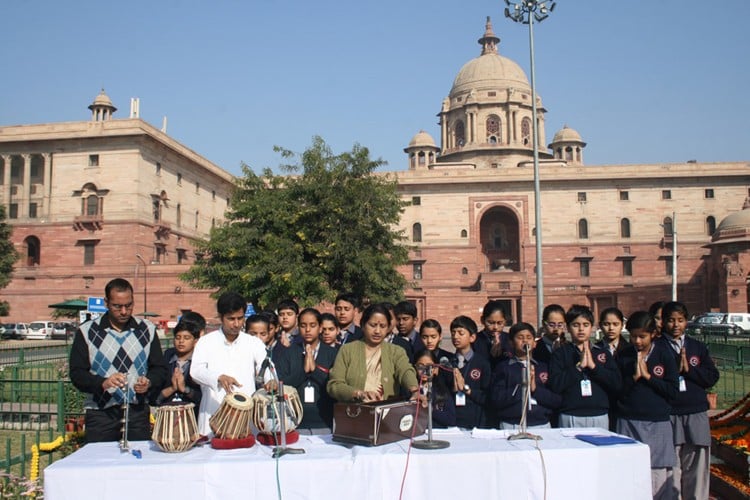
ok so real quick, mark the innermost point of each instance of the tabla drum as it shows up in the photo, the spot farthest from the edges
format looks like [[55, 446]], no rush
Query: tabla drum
[[265, 411], [232, 419], [176, 429]]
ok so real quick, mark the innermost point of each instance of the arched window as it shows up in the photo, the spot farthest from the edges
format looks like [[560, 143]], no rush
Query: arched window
[[460, 134], [625, 228], [493, 129], [526, 131], [583, 229], [92, 205], [464, 234], [416, 232], [33, 250], [667, 225], [464, 271], [710, 225]]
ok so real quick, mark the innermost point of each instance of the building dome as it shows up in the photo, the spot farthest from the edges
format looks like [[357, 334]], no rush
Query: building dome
[[736, 221], [422, 139], [489, 71], [102, 100], [566, 134]]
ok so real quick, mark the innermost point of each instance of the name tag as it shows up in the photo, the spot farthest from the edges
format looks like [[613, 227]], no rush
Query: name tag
[[585, 388], [460, 399], [532, 401], [309, 394], [683, 385]]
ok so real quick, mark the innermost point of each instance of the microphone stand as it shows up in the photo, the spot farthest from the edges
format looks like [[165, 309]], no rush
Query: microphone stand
[[522, 434], [281, 412], [429, 443]]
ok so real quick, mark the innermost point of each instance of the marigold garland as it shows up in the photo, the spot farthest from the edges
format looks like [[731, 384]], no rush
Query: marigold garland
[[47, 448]]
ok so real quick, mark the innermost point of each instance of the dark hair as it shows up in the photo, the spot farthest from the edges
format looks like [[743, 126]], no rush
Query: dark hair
[[119, 284], [673, 307], [430, 323], [273, 319], [578, 310], [329, 317], [464, 322], [440, 390], [373, 309], [611, 310], [494, 306], [552, 308], [405, 307], [520, 327], [186, 325], [230, 302], [641, 320], [313, 311], [257, 318], [288, 304], [349, 297], [194, 317], [654, 308]]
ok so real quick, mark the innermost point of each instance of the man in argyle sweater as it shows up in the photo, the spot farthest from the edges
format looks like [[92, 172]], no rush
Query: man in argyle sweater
[[113, 358]]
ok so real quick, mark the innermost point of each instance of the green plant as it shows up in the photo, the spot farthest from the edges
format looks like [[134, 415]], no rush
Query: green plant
[[18, 487]]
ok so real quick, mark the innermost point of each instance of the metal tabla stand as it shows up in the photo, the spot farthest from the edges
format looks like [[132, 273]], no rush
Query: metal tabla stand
[[429, 443], [281, 413], [522, 433]]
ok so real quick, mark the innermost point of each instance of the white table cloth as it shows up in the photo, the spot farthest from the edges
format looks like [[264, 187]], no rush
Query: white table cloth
[[481, 466]]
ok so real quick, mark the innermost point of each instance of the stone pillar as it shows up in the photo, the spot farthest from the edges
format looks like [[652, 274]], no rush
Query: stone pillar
[[23, 205], [540, 129], [47, 184], [6, 182]]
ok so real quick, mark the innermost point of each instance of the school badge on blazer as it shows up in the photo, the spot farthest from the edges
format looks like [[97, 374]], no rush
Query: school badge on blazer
[[373, 424]]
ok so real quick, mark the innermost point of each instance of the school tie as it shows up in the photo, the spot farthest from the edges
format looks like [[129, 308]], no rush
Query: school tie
[[461, 361]]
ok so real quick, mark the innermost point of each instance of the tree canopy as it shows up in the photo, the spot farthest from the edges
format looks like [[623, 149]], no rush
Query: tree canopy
[[8, 257], [327, 226]]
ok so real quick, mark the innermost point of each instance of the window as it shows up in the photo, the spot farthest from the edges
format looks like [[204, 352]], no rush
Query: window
[[583, 267], [416, 232], [493, 129], [709, 193], [526, 131], [667, 225], [92, 205], [89, 257], [156, 205], [416, 200], [33, 250], [32, 210], [417, 271], [13, 211], [582, 197], [627, 267], [158, 168], [666, 194], [464, 234], [460, 134], [464, 271], [93, 160], [624, 195], [583, 229], [197, 187], [569, 153], [625, 228], [197, 218], [421, 158], [710, 225], [668, 266], [178, 215], [181, 256], [179, 179], [160, 253], [213, 195]]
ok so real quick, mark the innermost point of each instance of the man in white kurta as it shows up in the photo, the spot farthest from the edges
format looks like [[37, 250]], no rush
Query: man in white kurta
[[226, 360]]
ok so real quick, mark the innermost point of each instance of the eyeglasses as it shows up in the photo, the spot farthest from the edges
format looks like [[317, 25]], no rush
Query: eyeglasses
[[555, 325], [420, 366], [118, 307]]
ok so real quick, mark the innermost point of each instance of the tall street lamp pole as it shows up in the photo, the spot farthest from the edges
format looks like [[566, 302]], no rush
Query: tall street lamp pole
[[526, 12], [145, 282]]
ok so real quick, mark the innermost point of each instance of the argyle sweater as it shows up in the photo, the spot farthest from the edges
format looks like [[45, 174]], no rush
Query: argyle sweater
[[99, 351]]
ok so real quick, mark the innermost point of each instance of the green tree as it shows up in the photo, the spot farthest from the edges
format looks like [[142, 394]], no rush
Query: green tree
[[8, 253], [328, 226]]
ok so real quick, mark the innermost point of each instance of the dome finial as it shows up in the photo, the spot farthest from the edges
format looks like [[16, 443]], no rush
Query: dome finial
[[489, 41]]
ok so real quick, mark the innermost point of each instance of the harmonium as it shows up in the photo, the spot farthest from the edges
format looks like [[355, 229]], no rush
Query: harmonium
[[376, 423]]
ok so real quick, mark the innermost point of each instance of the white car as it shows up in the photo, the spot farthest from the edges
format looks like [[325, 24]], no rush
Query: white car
[[40, 330]]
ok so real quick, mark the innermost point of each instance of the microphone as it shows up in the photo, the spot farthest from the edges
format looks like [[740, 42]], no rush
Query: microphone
[[445, 362]]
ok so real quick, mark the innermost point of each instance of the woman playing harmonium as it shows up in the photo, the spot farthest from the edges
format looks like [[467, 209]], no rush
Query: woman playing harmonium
[[371, 369]]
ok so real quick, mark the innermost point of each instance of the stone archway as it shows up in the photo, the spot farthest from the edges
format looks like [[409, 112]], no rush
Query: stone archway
[[500, 239]]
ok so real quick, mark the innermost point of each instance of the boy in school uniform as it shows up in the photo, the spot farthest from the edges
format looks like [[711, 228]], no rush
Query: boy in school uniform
[[180, 386], [346, 306], [471, 375], [406, 323], [509, 384], [287, 311], [583, 374]]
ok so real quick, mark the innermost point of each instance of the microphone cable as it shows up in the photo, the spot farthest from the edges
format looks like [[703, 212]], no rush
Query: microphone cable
[[411, 440]]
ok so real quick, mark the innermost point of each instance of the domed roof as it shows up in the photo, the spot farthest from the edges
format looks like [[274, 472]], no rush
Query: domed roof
[[489, 70], [102, 100], [422, 139], [567, 134], [737, 220]]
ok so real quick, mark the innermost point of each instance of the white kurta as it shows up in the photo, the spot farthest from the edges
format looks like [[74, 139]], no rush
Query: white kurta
[[214, 356]]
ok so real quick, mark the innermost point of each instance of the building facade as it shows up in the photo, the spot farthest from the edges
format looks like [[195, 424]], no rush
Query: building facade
[[608, 231], [93, 200]]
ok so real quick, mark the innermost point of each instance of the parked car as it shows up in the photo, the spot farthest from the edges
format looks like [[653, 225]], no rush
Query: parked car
[[16, 331], [40, 330], [740, 319], [712, 324], [63, 330], [7, 330]]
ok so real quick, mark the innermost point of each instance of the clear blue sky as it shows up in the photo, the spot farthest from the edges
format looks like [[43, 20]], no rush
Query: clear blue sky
[[643, 81]]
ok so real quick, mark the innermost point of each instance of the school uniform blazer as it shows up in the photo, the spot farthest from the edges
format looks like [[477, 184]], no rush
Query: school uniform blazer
[[565, 379], [482, 346], [621, 346], [291, 370], [647, 399], [702, 375], [405, 345], [478, 376], [349, 372], [508, 391]]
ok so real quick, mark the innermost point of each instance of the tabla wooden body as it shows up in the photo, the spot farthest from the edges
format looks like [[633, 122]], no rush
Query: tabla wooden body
[[232, 419], [265, 411], [176, 429]]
